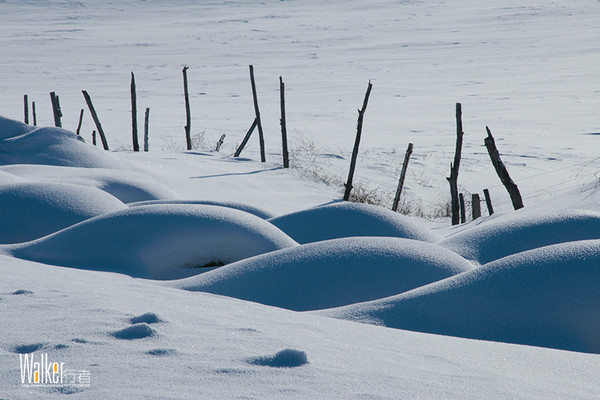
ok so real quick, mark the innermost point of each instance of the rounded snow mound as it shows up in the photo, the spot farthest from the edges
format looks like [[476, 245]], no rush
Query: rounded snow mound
[[331, 273], [349, 219], [230, 204], [522, 231], [159, 242], [546, 297], [23, 144], [31, 210]]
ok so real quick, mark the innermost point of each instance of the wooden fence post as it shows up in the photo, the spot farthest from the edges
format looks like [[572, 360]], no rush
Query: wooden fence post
[[475, 205], [261, 138], [488, 201], [463, 214], [94, 138], [453, 179], [361, 114], [33, 112], [134, 126], [56, 109], [248, 134], [188, 115], [502, 172], [220, 143], [146, 122], [402, 176], [88, 100], [26, 108], [80, 121], [286, 157]]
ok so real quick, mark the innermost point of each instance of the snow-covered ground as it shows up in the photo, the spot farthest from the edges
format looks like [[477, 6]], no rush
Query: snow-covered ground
[[174, 274]]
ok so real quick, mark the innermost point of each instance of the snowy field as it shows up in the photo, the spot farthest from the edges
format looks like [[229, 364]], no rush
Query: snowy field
[[174, 274]]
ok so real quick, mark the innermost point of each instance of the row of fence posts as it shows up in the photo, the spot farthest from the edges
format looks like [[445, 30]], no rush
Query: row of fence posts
[[457, 199]]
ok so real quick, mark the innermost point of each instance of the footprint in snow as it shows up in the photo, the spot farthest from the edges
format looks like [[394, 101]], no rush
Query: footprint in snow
[[287, 358], [136, 331]]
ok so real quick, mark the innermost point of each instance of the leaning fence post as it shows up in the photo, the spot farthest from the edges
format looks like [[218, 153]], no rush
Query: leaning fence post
[[502, 172], [188, 115], [220, 143], [488, 201], [246, 138], [88, 100], [56, 109], [361, 114], [286, 157], [26, 108], [134, 126], [261, 138], [402, 175], [146, 121], [475, 205], [80, 121]]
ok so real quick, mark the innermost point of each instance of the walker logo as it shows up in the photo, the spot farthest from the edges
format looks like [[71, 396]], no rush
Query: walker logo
[[38, 371]]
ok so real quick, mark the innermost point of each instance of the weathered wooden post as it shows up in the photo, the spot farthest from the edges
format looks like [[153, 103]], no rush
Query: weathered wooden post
[[26, 108], [220, 143], [453, 179], [361, 114], [502, 172], [88, 100], [188, 114], [33, 112], [402, 176], [475, 205], [246, 138], [488, 201], [134, 126], [463, 214], [94, 138], [284, 144], [79, 123], [56, 109], [146, 121], [261, 138]]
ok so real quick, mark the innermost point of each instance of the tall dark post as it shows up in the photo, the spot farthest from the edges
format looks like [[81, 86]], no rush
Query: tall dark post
[[261, 138], [134, 126], [453, 179], [88, 100], [402, 176], [361, 114], [33, 112], [56, 109], [26, 108], [502, 172], [475, 205], [463, 214], [188, 114], [286, 156], [146, 122], [488, 201]]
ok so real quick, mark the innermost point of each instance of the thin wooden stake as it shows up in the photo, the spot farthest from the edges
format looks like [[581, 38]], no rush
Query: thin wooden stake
[[286, 156], [502, 172], [361, 114], [80, 121], [475, 205], [248, 134], [94, 138], [34, 115], [488, 201], [188, 114], [146, 122], [56, 109], [220, 143], [402, 176], [463, 214], [26, 108], [134, 126], [261, 138], [88, 100], [453, 179]]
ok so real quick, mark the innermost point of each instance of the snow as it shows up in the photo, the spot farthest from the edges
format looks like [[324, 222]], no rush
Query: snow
[[99, 244], [331, 273]]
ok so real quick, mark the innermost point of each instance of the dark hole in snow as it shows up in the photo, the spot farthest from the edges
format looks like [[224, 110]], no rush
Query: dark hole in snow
[[287, 358]]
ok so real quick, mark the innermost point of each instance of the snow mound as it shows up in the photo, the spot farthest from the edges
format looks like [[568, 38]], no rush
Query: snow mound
[[23, 144], [160, 242], [521, 231], [136, 331], [129, 186], [331, 273], [231, 204], [544, 297], [287, 358], [31, 210], [349, 219]]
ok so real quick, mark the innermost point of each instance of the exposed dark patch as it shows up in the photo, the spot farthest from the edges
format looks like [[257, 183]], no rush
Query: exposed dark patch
[[210, 264], [61, 346], [137, 331], [22, 291], [28, 348], [79, 340], [149, 318], [288, 358], [161, 352]]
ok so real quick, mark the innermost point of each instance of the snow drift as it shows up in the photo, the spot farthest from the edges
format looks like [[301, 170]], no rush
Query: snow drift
[[331, 273], [230, 204], [523, 230], [160, 242], [349, 219], [543, 297]]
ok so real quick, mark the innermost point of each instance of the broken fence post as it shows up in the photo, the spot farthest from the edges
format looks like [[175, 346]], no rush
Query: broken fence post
[[220, 143], [146, 122], [261, 138], [88, 100], [94, 138], [453, 179], [361, 114], [80, 121], [475, 206], [188, 115], [134, 126], [246, 138], [284, 144], [488, 201], [402, 176], [463, 214], [56, 109], [502, 172]]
